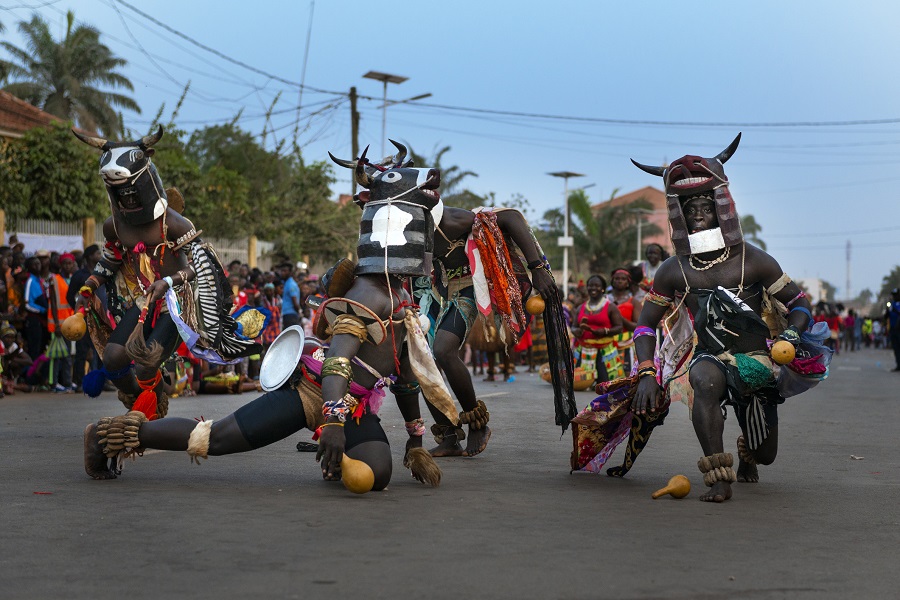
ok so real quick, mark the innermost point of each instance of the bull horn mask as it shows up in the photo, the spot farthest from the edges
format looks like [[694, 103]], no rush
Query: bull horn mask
[[102, 144], [722, 157], [149, 140], [401, 154], [690, 176], [96, 142], [358, 166]]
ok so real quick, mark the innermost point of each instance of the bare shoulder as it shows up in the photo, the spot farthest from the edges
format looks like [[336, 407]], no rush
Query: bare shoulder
[[371, 293], [669, 278], [109, 229], [176, 224], [457, 221], [764, 266]]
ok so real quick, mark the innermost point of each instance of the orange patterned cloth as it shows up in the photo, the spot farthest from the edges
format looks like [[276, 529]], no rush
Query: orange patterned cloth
[[506, 296]]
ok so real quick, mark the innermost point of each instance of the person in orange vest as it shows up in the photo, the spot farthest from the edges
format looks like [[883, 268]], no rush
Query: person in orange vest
[[58, 351]]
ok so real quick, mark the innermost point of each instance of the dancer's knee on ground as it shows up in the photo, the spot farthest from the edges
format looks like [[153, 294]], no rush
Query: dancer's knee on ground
[[377, 455]]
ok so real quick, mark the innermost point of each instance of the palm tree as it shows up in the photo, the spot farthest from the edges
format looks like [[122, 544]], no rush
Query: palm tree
[[605, 238], [64, 78], [4, 66], [451, 180], [751, 230]]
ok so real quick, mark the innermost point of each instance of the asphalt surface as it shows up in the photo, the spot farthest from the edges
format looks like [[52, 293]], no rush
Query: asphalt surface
[[511, 523]]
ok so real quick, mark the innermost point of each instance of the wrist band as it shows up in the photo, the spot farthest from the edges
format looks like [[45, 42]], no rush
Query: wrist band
[[536, 264], [802, 294], [169, 281]]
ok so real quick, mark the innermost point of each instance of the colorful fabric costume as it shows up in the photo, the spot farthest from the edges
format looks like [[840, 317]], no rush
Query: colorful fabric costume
[[592, 343]]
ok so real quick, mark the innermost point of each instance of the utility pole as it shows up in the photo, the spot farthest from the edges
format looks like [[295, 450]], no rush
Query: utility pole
[[354, 135], [849, 296]]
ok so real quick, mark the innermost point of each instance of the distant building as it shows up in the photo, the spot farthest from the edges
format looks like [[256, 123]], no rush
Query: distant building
[[815, 290], [659, 217], [17, 116]]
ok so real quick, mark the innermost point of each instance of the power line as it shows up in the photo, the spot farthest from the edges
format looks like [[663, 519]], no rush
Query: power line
[[834, 233], [222, 55], [889, 121]]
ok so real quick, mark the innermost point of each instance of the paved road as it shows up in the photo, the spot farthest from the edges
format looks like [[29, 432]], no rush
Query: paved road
[[512, 523]]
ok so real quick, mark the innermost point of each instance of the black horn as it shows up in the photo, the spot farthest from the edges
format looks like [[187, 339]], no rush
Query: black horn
[[401, 153], [148, 140], [725, 154], [91, 141], [363, 178], [347, 164], [658, 171]]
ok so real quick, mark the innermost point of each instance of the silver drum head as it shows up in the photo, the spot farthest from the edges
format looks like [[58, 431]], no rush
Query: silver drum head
[[282, 358]]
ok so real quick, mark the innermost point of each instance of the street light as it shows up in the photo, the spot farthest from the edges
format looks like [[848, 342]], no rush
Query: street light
[[387, 78], [565, 242], [640, 220]]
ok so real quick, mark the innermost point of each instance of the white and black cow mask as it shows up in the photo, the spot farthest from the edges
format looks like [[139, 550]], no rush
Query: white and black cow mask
[[135, 189]]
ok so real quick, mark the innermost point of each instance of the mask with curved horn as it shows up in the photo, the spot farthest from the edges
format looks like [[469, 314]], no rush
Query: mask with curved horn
[[691, 176], [148, 140], [96, 142], [658, 171], [362, 177], [401, 153], [725, 154], [347, 164]]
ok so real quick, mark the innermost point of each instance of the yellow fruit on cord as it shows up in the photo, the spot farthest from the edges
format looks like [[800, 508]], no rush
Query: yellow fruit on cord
[[782, 352], [679, 487], [535, 305], [356, 475], [74, 327]]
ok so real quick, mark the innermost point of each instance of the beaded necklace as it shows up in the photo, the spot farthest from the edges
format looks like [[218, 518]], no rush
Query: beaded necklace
[[708, 264]]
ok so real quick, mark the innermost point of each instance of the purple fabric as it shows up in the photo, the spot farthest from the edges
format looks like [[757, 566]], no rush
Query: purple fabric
[[371, 398], [191, 337]]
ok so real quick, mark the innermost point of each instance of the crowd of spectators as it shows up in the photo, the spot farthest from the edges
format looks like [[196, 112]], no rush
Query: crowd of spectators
[[37, 293]]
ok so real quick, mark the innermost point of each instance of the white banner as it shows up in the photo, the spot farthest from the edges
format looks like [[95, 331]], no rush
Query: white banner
[[54, 243]]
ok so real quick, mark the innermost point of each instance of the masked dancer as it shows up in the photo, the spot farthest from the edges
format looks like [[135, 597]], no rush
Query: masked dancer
[[374, 342], [739, 301], [163, 283]]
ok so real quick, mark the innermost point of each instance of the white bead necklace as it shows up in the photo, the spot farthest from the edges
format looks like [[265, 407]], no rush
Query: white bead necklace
[[708, 264]]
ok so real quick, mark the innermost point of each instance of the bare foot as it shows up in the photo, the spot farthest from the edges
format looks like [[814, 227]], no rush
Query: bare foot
[[747, 472], [95, 462], [478, 441], [720, 492], [448, 447]]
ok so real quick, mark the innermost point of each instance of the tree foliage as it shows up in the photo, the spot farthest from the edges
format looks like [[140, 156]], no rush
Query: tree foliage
[[68, 78], [751, 230], [453, 193], [48, 174], [889, 282], [604, 238], [233, 187]]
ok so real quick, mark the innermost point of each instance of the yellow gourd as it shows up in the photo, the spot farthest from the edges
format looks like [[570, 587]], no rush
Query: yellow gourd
[[782, 352], [74, 327], [535, 305], [679, 487], [356, 475]]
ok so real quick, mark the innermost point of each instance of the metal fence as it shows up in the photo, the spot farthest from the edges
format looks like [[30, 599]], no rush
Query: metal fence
[[42, 227]]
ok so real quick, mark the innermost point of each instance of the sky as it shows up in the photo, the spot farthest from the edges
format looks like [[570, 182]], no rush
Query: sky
[[519, 90]]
